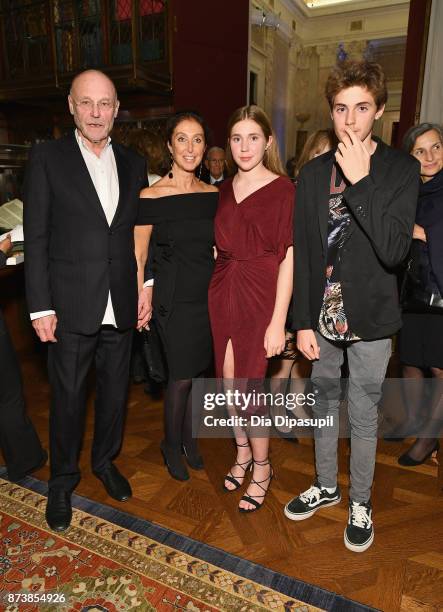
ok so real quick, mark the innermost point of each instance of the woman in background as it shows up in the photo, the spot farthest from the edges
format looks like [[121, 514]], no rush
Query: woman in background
[[318, 142], [151, 146], [421, 337], [290, 364], [252, 282], [182, 210]]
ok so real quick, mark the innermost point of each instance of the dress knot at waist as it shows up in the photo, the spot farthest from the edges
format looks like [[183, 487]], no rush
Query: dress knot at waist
[[225, 256]]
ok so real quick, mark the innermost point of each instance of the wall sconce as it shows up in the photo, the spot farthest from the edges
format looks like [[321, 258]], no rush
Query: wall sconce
[[264, 19], [302, 118]]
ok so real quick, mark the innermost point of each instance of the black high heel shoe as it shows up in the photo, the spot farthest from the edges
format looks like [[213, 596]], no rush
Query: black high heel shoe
[[407, 461], [174, 462], [250, 499], [244, 465], [193, 458]]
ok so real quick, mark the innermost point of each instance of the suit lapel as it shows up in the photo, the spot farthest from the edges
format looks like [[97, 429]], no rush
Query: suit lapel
[[123, 172], [323, 192], [78, 170]]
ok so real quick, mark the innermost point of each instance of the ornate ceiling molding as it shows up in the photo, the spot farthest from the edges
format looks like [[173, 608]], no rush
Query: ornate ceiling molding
[[349, 7]]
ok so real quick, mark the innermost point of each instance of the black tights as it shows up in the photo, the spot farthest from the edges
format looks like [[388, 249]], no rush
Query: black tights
[[432, 428], [178, 415]]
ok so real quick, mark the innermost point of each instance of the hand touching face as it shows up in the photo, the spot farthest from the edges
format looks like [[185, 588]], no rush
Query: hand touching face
[[353, 157], [355, 109], [354, 112]]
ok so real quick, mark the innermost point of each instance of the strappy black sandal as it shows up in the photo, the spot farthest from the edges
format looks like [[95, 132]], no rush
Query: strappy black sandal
[[251, 500], [245, 466]]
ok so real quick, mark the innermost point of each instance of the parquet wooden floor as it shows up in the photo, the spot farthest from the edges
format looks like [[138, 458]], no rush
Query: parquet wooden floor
[[403, 570]]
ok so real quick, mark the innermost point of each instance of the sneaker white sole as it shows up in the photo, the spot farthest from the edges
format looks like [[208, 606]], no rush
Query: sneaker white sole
[[358, 548], [301, 517]]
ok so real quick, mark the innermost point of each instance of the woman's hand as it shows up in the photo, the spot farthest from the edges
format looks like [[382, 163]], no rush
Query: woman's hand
[[144, 307], [419, 233], [274, 339]]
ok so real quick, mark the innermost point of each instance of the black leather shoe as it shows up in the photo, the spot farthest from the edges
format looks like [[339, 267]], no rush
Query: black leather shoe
[[58, 509], [15, 477], [407, 461], [115, 483]]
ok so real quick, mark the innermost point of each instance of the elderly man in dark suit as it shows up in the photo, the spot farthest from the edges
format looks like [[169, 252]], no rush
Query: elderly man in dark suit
[[214, 171], [80, 207], [21, 447]]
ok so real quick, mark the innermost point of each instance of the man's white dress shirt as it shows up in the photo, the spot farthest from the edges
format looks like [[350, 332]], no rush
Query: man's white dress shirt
[[214, 180]]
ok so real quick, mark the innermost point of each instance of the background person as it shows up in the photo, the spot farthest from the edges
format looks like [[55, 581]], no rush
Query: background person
[[151, 146], [290, 168], [319, 142], [215, 166], [290, 363], [19, 442], [421, 337]]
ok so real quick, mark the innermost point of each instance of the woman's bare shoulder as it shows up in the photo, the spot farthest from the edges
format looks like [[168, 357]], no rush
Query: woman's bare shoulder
[[157, 190], [209, 188]]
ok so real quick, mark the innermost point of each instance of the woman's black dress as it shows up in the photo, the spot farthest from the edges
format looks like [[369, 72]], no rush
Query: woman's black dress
[[420, 339], [182, 261]]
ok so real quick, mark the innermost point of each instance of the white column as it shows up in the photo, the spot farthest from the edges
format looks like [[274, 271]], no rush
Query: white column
[[432, 97]]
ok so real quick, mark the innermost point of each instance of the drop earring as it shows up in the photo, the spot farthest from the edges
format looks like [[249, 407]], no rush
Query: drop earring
[[171, 175], [200, 172]]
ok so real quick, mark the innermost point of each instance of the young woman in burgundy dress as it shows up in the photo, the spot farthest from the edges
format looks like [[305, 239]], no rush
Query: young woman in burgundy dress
[[251, 286]]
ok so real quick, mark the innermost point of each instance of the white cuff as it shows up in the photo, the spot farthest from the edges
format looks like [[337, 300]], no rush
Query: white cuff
[[42, 313], [148, 283]]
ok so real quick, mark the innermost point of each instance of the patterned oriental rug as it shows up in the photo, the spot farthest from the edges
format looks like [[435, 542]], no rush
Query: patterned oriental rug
[[109, 561]]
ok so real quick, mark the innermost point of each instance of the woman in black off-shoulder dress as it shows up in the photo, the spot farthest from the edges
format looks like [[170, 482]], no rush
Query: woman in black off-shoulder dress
[[176, 216]]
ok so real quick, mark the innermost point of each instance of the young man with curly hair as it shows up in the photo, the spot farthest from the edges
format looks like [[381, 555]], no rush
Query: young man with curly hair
[[354, 221]]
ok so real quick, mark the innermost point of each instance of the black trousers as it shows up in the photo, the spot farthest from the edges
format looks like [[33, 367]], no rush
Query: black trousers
[[69, 362], [19, 441]]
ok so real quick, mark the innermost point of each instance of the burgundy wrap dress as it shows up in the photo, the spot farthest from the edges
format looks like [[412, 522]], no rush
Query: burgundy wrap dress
[[252, 238]]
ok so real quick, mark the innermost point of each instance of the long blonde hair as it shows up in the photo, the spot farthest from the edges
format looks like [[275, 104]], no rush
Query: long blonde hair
[[271, 159], [314, 144]]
